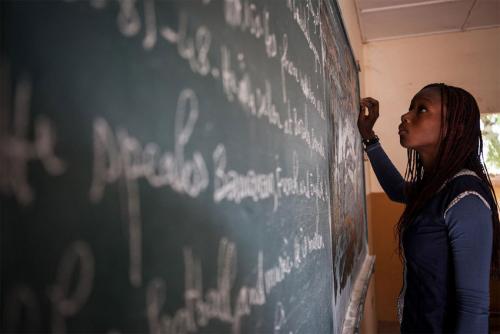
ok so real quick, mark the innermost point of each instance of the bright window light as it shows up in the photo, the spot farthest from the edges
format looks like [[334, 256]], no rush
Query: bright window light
[[490, 128]]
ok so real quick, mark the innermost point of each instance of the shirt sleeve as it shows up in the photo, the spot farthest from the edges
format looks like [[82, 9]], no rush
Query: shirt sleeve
[[471, 237], [387, 175]]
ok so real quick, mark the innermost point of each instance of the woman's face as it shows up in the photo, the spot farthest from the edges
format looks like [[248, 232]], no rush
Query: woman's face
[[420, 127]]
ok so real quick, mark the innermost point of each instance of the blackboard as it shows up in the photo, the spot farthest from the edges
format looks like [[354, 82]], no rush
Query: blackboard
[[178, 167]]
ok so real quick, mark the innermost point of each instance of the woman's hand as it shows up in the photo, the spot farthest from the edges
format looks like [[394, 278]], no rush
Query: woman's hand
[[366, 122]]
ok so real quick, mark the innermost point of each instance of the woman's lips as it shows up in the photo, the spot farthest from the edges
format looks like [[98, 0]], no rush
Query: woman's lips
[[402, 130]]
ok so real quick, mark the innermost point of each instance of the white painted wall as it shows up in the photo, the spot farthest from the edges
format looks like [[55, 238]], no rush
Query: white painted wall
[[349, 16], [393, 71]]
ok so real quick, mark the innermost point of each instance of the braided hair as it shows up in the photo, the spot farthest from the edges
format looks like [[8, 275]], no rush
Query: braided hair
[[460, 148]]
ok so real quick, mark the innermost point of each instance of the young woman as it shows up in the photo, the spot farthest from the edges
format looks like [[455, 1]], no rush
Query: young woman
[[449, 230]]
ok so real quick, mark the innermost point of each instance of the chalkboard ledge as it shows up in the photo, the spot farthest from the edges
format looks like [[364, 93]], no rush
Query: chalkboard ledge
[[358, 296]]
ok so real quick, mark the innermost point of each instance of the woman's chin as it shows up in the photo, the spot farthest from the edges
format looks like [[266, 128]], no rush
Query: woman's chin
[[403, 142]]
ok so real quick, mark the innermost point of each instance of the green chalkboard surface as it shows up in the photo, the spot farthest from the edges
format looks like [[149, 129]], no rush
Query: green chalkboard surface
[[178, 167]]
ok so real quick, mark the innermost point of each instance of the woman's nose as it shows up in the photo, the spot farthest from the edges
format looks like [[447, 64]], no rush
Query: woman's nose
[[404, 118]]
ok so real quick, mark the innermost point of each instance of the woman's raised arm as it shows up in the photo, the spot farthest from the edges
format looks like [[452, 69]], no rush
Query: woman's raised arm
[[388, 176]]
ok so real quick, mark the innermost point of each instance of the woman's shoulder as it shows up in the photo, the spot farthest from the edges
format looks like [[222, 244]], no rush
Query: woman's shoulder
[[465, 185], [464, 180]]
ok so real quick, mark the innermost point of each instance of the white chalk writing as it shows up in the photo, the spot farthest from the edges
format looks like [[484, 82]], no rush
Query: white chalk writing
[[150, 20], [64, 304], [279, 317], [238, 86], [247, 17], [129, 21], [215, 303], [303, 246], [288, 67], [16, 150], [302, 12], [194, 50], [121, 155], [234, 187], [258, 102]]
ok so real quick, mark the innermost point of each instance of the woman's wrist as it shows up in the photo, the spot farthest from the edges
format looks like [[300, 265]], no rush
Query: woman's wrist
[[368, 135], [370, 140]]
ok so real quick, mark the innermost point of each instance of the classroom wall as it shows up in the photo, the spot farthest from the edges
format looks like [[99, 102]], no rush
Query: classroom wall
[[349, 16], [393, 71]]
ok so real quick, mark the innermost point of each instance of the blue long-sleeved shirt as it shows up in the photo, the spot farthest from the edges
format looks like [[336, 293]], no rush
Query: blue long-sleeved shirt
[[470, 236]]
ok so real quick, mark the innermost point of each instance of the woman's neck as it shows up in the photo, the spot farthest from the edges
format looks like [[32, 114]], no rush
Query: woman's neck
[[428, 160]]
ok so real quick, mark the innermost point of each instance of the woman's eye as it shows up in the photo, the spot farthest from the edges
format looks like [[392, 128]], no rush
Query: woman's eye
[[422, 109]]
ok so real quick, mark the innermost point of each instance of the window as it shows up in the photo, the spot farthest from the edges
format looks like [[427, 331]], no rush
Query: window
[[490, 128]]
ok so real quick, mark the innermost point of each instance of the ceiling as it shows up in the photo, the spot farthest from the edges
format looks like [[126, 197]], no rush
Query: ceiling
[[389, 19]]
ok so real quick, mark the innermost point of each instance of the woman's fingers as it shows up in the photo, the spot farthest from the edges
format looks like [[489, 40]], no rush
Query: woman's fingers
[[364, 103], [361, 114], [372, 105]]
